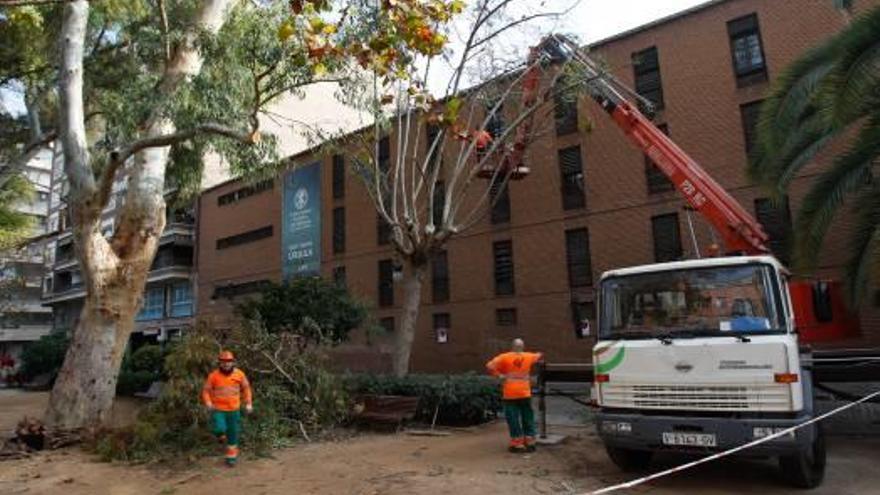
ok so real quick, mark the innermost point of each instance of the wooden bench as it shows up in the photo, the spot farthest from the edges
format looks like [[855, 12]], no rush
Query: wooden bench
[[385, 409], [153, 392]]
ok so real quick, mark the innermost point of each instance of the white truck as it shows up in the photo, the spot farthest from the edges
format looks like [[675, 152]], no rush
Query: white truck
[[701, 356]]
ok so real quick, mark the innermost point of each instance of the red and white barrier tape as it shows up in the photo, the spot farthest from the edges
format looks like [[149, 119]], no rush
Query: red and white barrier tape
[[661, 474]]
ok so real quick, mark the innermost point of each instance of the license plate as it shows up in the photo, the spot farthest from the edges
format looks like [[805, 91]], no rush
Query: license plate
[[689, 439]]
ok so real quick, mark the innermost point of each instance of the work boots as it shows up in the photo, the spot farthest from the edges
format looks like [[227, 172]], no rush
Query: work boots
[[530, 444], [517, 446], [231, 455]]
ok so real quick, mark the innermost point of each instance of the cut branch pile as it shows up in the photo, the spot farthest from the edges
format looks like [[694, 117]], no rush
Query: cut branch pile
[[31, 435]]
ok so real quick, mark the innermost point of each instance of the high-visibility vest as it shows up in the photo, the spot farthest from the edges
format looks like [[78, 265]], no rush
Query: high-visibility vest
[[225, 392], [516, 368]]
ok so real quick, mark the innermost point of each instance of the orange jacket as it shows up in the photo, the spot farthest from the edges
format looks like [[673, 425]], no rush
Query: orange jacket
[[224, 392], [516, 367]]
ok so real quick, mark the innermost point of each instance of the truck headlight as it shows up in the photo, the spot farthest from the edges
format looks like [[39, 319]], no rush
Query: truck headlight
[[766, 431], [617, 427]]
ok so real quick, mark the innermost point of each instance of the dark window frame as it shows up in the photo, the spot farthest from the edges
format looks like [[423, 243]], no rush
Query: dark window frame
[[385, 284], [339, 230], [239, 289], [500, 208], [749, 114], [656, 180], [742, 28], [565, 108], [441, 320], [572, 178], [676, 251], [440, 286], [339, 276], [577, 257], [647, 76], [777, 223], [338, 176], [504, 268], [245, 237], [245, 192], [506, 317], [387, 324]]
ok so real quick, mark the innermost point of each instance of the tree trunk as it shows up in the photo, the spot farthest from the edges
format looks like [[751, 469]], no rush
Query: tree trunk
[[412, 298], [86, 386], [114, 272]]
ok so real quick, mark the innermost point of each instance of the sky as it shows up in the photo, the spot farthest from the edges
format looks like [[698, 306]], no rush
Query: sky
[[591, 20]]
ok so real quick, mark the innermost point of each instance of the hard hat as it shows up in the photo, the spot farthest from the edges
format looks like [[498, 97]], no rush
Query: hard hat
[[226, 356]]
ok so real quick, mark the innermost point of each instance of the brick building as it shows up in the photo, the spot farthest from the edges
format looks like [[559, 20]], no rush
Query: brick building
[[591, 203]]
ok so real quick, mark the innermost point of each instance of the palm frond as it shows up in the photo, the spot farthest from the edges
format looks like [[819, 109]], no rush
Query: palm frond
[[846, 92], [848, 173], [862, 266]]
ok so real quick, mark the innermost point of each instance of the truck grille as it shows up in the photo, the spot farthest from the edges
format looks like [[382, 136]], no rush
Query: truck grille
[[770, 397]]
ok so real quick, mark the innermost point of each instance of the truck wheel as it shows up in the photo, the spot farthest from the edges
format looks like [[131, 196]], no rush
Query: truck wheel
[[806, 469], [628, 459]]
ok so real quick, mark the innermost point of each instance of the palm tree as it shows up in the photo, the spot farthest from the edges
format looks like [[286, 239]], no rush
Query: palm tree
[[831, 93]]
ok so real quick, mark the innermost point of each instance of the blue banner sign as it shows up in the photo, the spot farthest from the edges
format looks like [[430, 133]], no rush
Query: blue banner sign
[[301, 230]]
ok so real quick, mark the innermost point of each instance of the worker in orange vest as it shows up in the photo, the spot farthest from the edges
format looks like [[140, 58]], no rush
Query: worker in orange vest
[[514, 368], [222, 394]]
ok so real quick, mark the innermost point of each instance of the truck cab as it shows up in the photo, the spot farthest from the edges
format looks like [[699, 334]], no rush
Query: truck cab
[[701, 356]]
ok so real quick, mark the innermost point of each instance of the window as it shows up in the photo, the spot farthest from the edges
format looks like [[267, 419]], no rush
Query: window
[[505, 317], [338, 176], [565, 109], [384, 155], [338, 230], [667, 238], [747, 51], [495, 124], [499, 195], [750, 113], [572, 178], [387, 324], [504, 277], [431, 133], [646, 65], [441, 327], [386, 283], [656, 179], [383, 231], [181, 299], [233, 290], [440, 277], [238, 194], [776, 219], [154, 304], [581, 314], [244, 238], [339, 276], [439, 202], [577, 249]]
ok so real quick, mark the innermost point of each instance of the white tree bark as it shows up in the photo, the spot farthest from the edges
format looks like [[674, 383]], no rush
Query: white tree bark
[[412, 298], [114, 272]]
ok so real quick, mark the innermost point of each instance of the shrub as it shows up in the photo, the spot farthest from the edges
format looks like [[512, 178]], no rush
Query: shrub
[[45, 355], [292, 393], [140, 369], [464, 399]]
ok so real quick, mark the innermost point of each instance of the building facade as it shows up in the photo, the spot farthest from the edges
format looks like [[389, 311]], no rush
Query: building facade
[[592, 203], [23, 319], [168, 303]]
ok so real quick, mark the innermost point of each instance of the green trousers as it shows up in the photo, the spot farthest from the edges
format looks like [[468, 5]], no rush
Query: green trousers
[[227, 423], [520, 418]]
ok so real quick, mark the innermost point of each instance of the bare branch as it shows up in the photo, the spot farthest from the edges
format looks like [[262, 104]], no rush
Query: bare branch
[[20, 162], [165, 39]]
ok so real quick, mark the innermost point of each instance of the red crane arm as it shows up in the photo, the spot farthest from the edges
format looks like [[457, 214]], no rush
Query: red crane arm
[[741, 232]]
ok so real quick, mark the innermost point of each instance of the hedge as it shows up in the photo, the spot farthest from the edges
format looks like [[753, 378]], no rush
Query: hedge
[[464, 399]]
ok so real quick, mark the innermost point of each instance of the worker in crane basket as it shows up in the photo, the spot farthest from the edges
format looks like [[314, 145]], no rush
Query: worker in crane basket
[[224, 391], [514, 368]]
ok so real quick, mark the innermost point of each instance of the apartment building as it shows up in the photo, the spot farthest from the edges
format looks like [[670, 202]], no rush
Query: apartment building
[[592, 203]]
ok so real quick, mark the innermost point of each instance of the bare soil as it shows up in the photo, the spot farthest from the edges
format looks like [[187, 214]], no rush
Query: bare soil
[[472, 461]]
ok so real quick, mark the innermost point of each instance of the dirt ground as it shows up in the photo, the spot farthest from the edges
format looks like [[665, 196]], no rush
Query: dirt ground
[[469, 461]]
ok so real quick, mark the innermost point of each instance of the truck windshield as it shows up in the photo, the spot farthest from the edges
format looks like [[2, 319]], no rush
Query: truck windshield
[[720, 300]]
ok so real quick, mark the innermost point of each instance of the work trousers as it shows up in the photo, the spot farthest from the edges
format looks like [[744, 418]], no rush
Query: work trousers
[[227, 423], [520, 418]]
